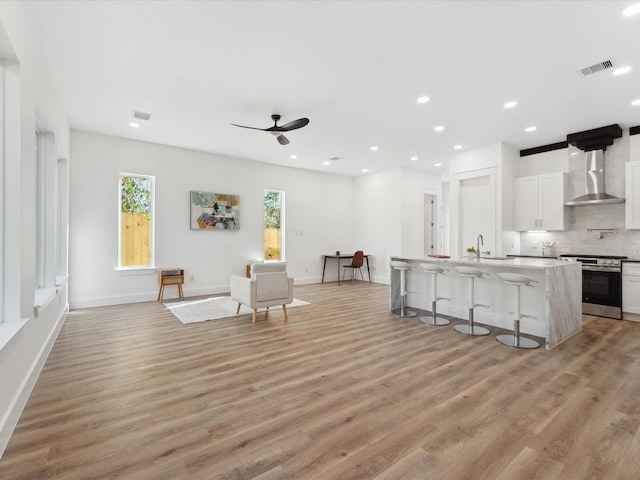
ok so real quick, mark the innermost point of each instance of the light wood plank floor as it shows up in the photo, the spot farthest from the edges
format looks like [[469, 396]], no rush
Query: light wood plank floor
[[342, 390]]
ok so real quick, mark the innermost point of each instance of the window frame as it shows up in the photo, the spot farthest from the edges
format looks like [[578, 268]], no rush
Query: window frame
[[282, 223], [47, 210], [152, 223], [11, 320]]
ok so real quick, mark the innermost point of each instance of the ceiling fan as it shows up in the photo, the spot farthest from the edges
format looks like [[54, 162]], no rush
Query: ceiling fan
[[278, 130]]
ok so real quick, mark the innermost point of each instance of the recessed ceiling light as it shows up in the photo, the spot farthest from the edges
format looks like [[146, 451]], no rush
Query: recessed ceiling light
[[631, 10], [458, 147], [635, 103], [414, 159], [326, 163], [423, 99], [293, 157], [365, 170], [439, 128], [510, 104], [530, 129], [374, 149], [621, 70], [437, 164], [134, 124]]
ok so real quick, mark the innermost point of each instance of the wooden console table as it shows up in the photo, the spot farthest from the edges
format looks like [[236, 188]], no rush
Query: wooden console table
[[170, 276], [339, 257]]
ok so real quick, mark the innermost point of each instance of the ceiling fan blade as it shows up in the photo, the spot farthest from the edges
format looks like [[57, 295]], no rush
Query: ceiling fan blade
[[299, 123], [282, 140], [252, 128]]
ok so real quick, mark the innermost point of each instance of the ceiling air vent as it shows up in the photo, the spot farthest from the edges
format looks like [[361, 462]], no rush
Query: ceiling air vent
[[596, 68], [141, 115]]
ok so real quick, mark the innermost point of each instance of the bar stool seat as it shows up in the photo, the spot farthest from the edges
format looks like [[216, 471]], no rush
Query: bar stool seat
[[402, 267], [517, 280], [471, 328], [434, 271]]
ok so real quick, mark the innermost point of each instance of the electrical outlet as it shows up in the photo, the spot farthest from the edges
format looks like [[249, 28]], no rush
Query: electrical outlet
[[191, 278], [306, 270]]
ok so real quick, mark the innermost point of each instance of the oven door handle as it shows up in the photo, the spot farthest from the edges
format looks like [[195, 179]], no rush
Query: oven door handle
[[601, 269]]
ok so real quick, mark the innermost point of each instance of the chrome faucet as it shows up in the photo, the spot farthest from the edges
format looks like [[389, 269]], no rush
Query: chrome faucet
[[480, 241]]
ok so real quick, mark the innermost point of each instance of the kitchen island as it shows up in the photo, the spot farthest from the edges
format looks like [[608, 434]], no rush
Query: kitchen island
[[555, 300]]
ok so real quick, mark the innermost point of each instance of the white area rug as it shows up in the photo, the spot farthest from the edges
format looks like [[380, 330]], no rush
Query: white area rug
[[192, 311]]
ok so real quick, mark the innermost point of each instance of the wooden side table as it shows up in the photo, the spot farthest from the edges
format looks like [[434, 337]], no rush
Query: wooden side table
[[170, 276]]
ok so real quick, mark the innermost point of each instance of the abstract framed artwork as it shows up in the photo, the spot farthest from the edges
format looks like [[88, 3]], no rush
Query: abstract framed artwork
[[214, 211]]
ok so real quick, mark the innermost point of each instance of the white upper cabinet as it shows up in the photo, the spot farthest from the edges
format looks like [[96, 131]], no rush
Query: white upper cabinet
[[539, 202], [632, 194]]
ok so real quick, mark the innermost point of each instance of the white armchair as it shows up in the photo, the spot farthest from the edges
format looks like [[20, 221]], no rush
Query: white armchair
[[268, 286]]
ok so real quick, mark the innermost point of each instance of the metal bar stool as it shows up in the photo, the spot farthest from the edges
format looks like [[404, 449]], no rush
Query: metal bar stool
[[515, 340], [434, 271], [471, 328], [402, 267]]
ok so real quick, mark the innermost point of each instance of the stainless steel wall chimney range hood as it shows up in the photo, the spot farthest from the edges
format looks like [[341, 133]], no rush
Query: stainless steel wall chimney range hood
[[594, 143]]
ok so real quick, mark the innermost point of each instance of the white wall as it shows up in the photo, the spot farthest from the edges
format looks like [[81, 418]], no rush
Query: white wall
[[634, 148], [499, 162], [546, 162], [510, 242], [414, 184], [378, 223], [466, 165], [319, 208], [388, 208]]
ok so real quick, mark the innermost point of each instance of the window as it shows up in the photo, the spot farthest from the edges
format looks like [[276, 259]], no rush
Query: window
[[62, 220], [51, 220], [273, 225], [136, 205], [10, 186], [46, 210]]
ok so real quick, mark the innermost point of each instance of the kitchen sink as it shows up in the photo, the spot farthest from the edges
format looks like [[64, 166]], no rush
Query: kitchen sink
[[496, 258]]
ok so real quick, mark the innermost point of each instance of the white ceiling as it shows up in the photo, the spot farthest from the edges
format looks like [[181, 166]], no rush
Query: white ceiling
[[354, 68]]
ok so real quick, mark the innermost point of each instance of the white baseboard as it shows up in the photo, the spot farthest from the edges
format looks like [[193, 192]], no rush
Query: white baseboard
[[144, 297], [10, 420], [173, 295]]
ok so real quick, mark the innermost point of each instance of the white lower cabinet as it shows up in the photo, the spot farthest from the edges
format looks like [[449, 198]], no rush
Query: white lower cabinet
[[631, 291]]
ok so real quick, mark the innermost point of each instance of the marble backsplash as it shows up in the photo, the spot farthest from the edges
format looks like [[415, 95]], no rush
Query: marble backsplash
[[583, 235]]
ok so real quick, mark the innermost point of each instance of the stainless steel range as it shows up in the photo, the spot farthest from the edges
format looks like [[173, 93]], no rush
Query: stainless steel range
[[601, 284]]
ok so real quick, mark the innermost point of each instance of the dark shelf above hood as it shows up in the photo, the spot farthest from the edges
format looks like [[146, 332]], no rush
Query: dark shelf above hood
[[595, 139]]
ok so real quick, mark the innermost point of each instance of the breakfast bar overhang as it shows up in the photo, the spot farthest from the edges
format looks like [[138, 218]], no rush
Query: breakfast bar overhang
[[555, 300]]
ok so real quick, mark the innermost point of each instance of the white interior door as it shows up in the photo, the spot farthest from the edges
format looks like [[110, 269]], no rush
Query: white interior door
[[429, 222], [477, 213]]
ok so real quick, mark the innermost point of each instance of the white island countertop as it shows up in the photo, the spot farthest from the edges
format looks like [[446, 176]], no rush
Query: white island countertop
[[511, 262], [554, 303]]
